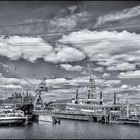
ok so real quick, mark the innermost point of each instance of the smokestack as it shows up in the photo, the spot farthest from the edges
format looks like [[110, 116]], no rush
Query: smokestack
[[115, 98], [88, 94], [101, 97], [76, 98], [76, 94]]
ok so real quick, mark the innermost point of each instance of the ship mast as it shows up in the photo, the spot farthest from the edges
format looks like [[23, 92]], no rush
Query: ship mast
[[92, 85]]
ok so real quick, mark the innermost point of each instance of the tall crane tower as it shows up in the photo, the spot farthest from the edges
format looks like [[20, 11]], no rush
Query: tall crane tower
[[38, 102]]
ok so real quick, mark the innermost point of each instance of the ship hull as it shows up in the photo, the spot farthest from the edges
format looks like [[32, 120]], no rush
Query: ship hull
[[80, 117], [12, 120], [45, 118]]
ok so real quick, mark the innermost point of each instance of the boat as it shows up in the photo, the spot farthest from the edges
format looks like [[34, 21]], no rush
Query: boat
[[22, 101], [131, 121], [9, 115], [93, 108]]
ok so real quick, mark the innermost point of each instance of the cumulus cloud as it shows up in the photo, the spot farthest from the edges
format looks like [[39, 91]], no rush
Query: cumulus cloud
[[124, 86], [99, 69], [62, 23], [106, 48], [64, 53], [122, 67], [130, 74], [18, 83], [69, 67], [33, 48], [119, 15], [100, 45], [10, 87], [113, 82], [29, 48], [98, 81], [106, 75], [57, 81], [68, 18]]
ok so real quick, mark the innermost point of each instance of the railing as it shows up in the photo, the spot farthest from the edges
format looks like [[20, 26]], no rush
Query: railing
[[37, 112]]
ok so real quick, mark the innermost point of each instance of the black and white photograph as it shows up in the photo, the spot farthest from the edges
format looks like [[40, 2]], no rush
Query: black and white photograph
[[70, 69]]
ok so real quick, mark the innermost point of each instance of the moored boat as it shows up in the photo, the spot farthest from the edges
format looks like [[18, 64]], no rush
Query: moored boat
[[10, 116], [93, 108]]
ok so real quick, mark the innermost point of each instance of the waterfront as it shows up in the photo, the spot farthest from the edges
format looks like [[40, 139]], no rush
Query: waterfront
[[69, 129]]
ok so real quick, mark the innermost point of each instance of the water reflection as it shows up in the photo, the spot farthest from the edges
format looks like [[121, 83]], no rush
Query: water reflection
[[69, 129]]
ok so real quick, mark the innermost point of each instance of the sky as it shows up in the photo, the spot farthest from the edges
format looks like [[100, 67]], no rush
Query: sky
[[63, 40]]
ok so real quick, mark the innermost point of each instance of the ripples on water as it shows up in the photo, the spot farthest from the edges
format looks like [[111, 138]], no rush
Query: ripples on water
[[69, 129]]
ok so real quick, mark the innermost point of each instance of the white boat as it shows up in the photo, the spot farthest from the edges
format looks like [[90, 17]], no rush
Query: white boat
[[11, 116], [93, 108]]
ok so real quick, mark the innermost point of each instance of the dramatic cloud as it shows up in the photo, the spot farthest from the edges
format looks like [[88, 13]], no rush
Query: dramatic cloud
[[63, 53], [105, 48], [29, 48], [69, 67], [130, 74], [119, 15], [69, 18], [66, 23], [115, 49]]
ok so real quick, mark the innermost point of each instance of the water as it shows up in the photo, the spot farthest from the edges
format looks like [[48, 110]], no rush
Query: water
[[69, 129]]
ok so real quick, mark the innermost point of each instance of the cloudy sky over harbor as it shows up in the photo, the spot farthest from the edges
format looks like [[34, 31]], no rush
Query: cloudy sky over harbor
[[58, 40]]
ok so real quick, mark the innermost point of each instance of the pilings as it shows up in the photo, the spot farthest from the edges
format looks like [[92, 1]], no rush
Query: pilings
[[56, 120]]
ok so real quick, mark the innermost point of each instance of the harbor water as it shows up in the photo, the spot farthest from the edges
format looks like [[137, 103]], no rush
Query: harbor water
[[70, 129]]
